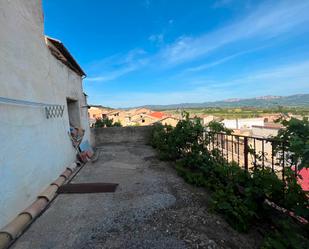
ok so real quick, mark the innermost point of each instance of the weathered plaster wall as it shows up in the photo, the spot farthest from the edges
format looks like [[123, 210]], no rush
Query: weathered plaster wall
[[261, 131], [130, 134], [33, 150]]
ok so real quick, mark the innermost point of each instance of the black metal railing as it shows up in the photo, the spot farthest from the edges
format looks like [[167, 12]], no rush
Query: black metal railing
[[249, 152]]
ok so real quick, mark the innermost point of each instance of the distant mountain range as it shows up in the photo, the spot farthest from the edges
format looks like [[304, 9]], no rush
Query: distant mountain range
[[298, 100]]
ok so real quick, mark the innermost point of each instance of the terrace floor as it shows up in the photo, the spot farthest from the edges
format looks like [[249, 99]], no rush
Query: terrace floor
[[151, 208]]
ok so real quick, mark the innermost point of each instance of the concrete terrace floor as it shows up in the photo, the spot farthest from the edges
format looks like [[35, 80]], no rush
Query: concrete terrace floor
[[151, 208]]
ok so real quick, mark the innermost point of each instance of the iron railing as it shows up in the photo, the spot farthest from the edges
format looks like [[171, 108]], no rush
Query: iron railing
[[250, 152]]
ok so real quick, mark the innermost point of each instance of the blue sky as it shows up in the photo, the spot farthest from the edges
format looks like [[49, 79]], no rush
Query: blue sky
[[138, 52]]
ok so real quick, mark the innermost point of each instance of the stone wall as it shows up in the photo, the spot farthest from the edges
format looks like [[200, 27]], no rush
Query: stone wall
[[130, 134]]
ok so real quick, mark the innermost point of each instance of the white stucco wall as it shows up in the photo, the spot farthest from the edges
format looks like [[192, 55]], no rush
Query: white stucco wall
[[244, 123], [33, 150]]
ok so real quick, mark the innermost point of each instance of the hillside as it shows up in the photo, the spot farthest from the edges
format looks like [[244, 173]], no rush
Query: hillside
[[298, 100]]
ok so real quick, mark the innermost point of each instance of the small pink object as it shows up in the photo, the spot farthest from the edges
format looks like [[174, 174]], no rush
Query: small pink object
[[304, 182]]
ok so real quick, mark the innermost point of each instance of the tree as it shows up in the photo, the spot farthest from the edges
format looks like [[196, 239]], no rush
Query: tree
[[294, 139], [218, 127], [106, 122]]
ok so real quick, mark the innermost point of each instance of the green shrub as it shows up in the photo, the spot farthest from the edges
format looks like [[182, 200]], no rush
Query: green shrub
[[176, 143], [117, 124], [294, 137], [295, 199], [195, 178], [237, 194], [286, 234], [187, 137], [160, 139], [106, 122], [236, 211], [266, 184]]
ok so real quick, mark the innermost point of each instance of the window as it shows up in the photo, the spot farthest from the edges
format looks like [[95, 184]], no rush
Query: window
[[73, 112]]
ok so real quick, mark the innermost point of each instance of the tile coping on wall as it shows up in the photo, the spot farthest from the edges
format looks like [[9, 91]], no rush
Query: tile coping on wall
[[15, 228]]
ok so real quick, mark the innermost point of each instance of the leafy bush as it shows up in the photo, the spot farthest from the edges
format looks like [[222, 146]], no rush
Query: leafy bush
[[187, 137], [236, 211], [294, 140], [176, 143], [218, 127], [266, 184], [160, 139], [286, 234], [237, 194], [117, 124], [295, 198], [106, 122], [195, 178], [294, 137]]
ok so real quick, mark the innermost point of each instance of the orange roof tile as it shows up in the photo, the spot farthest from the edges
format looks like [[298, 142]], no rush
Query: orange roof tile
[[157, 115]]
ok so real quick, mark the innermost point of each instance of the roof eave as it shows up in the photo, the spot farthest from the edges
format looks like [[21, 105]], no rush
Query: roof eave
[[65, 52]]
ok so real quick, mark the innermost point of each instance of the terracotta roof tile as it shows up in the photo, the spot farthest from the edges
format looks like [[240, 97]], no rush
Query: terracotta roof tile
[[66, 173], [60, 180], [49, 193], [158, 115], [36, 207], [4, 240], [62, 54], [17, 225], [72, 166]]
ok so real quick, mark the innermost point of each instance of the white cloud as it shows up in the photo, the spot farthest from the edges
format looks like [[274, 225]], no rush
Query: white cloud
[[222, 60], [116, 66], [278, 78], [284, 80], [108, 76], [285, 73], [266, 22], [157, 38]]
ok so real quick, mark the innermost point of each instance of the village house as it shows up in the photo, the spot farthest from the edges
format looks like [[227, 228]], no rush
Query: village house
[[41, 99], [97, 112], [119, 116], [143, 120], [135, 114], [132, 117], [172, 121], [158, 115], [208, 118], [242, 123], [267, 130], [136, 111]]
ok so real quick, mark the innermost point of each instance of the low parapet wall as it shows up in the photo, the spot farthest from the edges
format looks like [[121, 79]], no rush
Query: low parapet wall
[[132, 134]]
